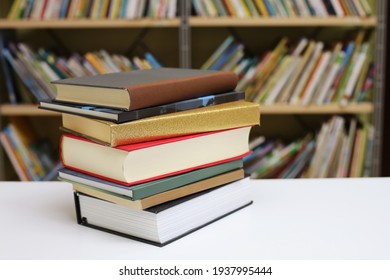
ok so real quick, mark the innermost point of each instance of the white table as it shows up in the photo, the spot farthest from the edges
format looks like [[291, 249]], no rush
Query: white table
[[290, 219]]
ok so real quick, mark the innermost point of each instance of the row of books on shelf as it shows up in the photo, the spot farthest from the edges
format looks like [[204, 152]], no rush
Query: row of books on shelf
[[290, 73], [33, 158], [33, 71], [92, 9], [281, 8], [308, 72], [342, 148]]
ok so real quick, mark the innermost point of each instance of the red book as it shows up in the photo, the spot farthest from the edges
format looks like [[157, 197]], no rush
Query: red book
[[142, 162], [44, 6]]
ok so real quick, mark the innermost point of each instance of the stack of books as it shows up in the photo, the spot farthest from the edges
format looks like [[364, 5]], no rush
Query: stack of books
[[161, 154]]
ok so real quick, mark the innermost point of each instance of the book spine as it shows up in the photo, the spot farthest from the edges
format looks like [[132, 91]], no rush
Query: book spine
[[14, 156]]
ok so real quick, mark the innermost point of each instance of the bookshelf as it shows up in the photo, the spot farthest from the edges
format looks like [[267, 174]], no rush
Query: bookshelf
[[258, 34], [178, 41]]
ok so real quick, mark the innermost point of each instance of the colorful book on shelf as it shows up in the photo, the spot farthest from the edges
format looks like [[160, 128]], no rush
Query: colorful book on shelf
[[161, 197], [277, 160], [154, 187], [140, 89], [367, 85], [307, 95], [347, 152], [354, 70], [24, 75], [29, 154], [218, 117], [300, 161], [352, 55], [119, 116], [142, 162], [14, 156], [218, 52], [187, 214]]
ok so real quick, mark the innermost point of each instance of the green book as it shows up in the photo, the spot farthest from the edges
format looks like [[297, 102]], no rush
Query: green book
[[140, 191]]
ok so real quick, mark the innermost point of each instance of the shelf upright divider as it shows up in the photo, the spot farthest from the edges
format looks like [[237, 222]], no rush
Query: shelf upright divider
[[185, 34], [380, 76]]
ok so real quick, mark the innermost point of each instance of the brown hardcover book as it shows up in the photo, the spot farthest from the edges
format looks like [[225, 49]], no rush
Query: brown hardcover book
[[144, 88], [218, 117]]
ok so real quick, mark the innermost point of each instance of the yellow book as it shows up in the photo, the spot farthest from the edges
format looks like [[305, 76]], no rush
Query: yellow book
[[146, 64], [262, 8], [115, 5], [95, 63], [14, 10], [219, 117], [245, 9], [105, 5], [95, 9]]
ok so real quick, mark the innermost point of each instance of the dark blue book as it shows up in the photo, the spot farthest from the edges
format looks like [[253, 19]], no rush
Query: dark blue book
[[7, 73], [119, 116]]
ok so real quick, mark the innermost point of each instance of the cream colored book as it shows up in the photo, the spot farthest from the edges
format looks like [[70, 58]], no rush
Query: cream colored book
[[143, 162], [219, 117]]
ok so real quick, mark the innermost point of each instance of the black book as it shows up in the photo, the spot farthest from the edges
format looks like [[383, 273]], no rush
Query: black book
[[119, 116], [167, 222]]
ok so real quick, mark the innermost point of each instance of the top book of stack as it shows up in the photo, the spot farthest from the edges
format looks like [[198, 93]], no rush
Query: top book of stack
[[137, 89]]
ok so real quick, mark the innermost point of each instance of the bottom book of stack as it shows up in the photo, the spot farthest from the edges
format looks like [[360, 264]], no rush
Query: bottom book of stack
[[163, 223]]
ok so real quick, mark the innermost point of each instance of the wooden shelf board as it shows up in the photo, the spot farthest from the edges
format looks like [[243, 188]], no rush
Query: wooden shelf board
[[279, 109], [88, 23], [24, 110], [285, 22], [283, 109], [194, 21]]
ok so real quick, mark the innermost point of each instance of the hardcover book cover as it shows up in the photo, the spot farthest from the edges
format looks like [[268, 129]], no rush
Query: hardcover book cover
[[147, 161], [167, 222], [120, 116], [211, 118], [153, 187], [134, 90], [161, 197]]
